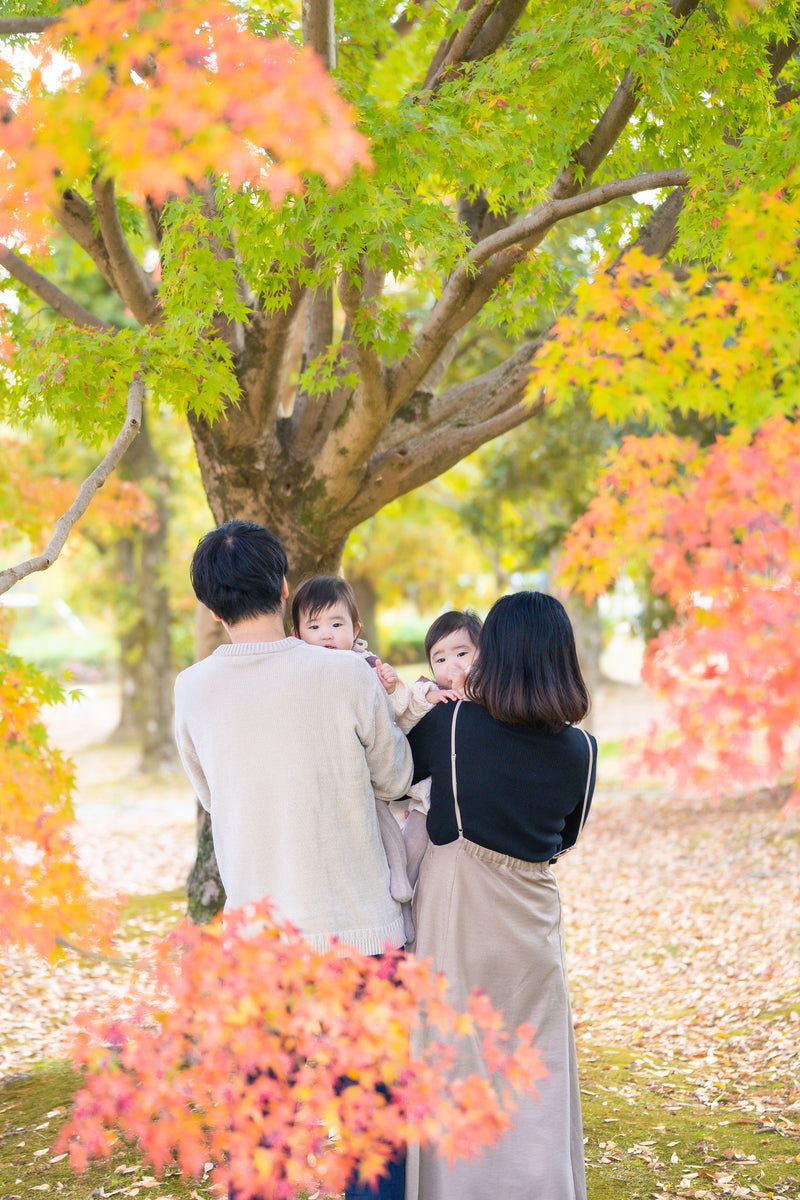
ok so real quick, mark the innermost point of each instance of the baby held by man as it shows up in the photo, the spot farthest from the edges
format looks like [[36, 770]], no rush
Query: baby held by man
[[324, 613]]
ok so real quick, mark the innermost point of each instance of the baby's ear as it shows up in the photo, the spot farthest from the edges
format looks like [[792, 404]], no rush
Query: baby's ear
[[356, 629], [295, 633]]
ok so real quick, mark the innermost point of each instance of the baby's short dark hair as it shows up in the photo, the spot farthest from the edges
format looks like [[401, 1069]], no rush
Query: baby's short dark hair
[[320, 592], [452, 622]]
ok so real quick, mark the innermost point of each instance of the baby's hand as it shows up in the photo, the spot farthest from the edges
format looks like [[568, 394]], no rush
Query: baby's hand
[[438, 697], [388, 676]]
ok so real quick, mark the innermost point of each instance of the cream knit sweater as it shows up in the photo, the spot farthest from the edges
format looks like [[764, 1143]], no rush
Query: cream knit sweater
[[287, 745]]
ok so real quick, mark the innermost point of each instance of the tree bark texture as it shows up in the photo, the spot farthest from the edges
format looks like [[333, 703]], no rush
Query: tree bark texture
[[204, 889], [205, 893], [145, 658]]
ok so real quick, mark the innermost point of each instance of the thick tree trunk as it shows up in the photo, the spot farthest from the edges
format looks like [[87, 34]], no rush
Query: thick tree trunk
[[588, 639], [155, 673], [367, 601], [144, 636], [128, 725], [204, 890]]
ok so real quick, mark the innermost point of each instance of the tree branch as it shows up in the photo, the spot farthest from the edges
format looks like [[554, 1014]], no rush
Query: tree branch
[[319, 30], [590, 154], [314, 416], [487, 26], [351, 294], [133, 284], [473, 280], [76, 218], [476, 400], [133, 421], [416, 462], [231, 332], [47, 291], [785, 94], [779, 53], [405, 21], [444, 46], [496, 29], [545, 215], [459, 44], [11, 26], [659, 234], [265, 365], [305, 425]]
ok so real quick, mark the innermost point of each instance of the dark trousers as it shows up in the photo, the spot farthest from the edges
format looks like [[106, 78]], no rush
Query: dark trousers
[[389, 1187]]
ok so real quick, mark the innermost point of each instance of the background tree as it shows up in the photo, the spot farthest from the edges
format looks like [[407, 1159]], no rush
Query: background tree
[[46, 896], [414, 552]]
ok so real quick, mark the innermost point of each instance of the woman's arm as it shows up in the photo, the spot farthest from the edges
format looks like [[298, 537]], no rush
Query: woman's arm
[[420, 739], [576, 819]]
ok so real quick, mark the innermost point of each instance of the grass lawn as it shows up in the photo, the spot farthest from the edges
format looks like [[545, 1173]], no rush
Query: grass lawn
[[639, 1143]]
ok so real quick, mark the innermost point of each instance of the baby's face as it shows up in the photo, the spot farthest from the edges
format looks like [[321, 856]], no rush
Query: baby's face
[[331, 627], [451, 658]]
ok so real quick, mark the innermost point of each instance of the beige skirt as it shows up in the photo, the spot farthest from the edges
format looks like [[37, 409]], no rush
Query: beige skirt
[[494, 922]]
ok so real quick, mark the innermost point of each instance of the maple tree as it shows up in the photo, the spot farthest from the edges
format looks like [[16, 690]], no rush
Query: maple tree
[[45, 891], [265, 1057], [46, 895], [715, 527], [718, 529], [317, 390]]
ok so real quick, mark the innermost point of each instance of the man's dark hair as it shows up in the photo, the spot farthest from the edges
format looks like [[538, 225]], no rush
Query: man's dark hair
[[321, 592], [452, 622], [238, 570], [527, 670]]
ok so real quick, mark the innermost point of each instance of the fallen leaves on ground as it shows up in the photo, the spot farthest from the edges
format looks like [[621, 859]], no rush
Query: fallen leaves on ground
[[683, 942]]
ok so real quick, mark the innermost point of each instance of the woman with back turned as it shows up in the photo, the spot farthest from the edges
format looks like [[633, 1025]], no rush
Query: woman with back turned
[[512, 781]]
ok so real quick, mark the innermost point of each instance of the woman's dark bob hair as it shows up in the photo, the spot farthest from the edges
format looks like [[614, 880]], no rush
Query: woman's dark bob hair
[[527, 668]]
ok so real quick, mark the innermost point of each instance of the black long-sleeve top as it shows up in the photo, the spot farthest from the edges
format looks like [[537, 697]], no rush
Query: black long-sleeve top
[[520, 788]]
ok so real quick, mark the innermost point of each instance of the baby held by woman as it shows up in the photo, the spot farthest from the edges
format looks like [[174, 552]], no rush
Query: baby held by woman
[[325, 613]]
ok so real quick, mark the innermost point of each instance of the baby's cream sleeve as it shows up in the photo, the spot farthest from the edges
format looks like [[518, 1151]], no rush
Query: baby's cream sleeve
[[410, 703]]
